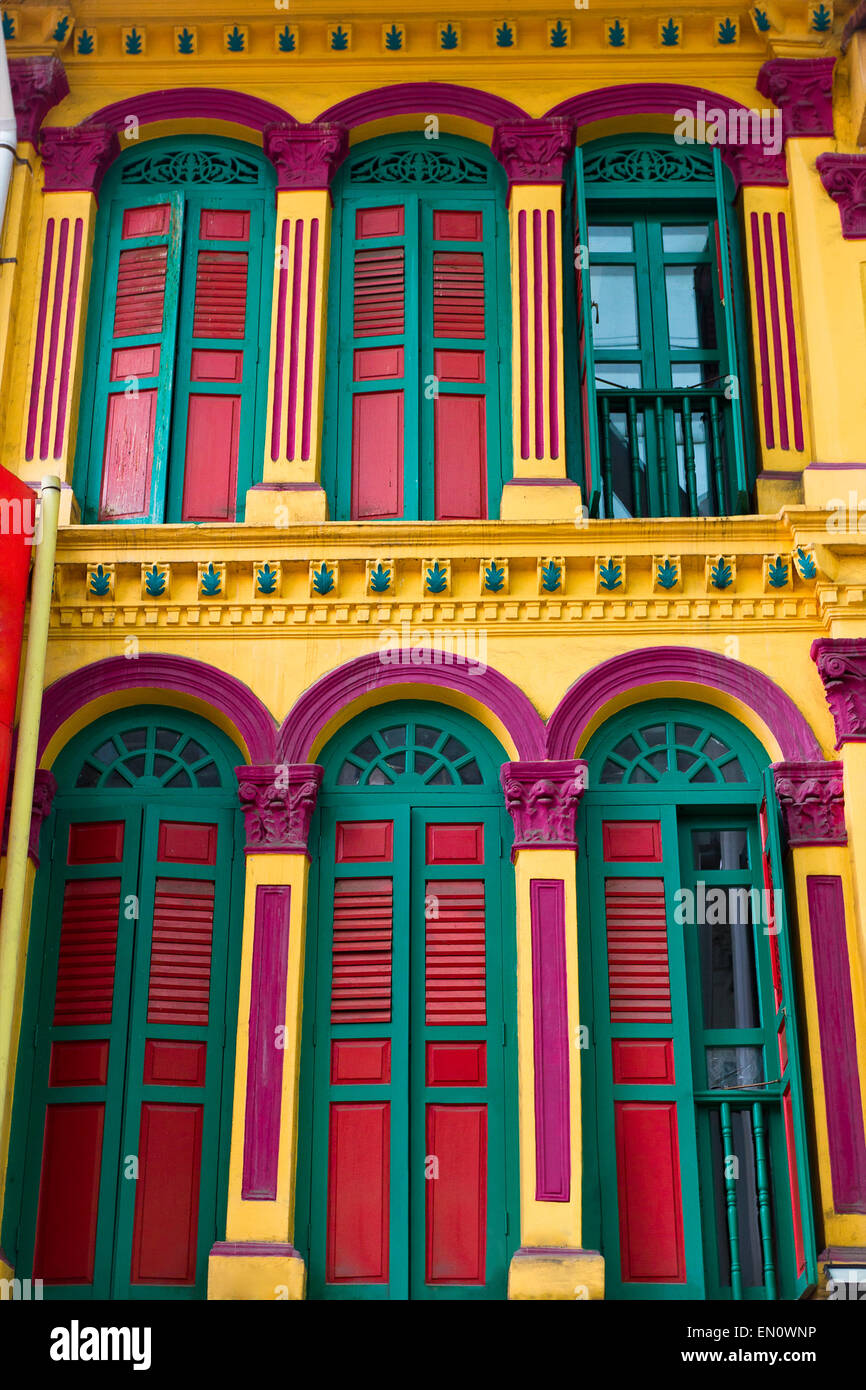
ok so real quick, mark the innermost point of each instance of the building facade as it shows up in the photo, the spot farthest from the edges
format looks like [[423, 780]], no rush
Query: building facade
[[447, 870]]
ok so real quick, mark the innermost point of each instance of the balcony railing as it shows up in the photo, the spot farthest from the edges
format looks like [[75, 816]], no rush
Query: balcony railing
[[668, 453]]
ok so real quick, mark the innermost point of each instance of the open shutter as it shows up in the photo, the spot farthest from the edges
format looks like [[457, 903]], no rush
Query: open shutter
[[136, 363], [738, 445], [217, 352], [375, 326], [585, 359], [801, 1233], [464, 358]]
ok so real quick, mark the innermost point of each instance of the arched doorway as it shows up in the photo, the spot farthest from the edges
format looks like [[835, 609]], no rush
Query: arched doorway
[[408, 1163], [696, 1170], [123, 1098]]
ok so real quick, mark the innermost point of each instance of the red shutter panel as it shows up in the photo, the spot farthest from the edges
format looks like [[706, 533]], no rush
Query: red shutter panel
[[88, 949], [361, 961], [455, 964], [134, 376], [460, 315], [378, 414], [180, 953], [637, 950]]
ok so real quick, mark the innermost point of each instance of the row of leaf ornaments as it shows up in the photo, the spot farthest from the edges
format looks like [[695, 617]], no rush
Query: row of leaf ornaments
[[436, 577], [449, 37]]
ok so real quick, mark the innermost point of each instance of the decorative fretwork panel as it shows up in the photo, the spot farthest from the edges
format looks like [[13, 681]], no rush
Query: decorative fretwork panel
[[418, 166], [191, 166], [657, 164]]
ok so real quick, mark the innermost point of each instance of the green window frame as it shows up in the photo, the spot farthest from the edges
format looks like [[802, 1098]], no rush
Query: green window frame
[[190, 175], [450, 172], [695, 771], [665, 430]]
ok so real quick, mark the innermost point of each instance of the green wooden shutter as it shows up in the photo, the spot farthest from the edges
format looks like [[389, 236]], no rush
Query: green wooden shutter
[[737, 369], [585, 359], [135, 369], [802, 1232]]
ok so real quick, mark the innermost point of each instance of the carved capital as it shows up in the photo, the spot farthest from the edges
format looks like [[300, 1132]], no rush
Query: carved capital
[[802, 88], [844, 178], [38, 84], [278, 803], [75, 158], [812, 802], [533, 151], [44, 788], [841, 665], [305, 156], [756, 165], [542, 799]]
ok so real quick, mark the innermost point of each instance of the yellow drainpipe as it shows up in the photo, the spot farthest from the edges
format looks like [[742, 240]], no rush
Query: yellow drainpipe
[[11, 924]]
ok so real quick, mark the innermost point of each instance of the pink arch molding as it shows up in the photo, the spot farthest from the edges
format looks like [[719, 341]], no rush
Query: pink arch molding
[[192, 103], [318, 705], [650, 666], [156, 671]]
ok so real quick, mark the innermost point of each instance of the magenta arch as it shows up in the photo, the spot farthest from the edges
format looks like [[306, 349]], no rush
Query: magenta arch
[[317, 706], [192, 103], [158, 671], [639, 99], [405, 98], [640, 670]]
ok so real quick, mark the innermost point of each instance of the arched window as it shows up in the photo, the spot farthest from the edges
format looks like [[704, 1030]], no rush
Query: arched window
[[417, 422], [409, 1015], [697, 1178], [124, 1081], [169, 428], [661, 354]]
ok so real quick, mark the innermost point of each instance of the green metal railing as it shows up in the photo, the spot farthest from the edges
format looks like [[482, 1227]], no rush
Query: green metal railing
[[666, 467], [733, 1189]]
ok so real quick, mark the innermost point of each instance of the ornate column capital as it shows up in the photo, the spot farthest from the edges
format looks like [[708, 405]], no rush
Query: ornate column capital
[[75, 158], [38, 84], [844, 178], [44, 788], [534, 151], [803, 90], [841, 665], [278, 803], [305, 156], [812, 802], [756, 165], [542, 799]]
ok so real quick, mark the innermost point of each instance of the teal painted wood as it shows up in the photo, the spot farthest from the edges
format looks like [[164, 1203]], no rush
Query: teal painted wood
[[731, 1203], [418, 382], [586, 355], [682, 808], [411, 808], [140, 809], [188, 195], [727, 235]]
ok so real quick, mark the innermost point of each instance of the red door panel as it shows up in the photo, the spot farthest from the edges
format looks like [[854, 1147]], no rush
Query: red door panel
[[358, 1193], [650, 1203], [457, 1194], [69, 1194], [166, 1201]]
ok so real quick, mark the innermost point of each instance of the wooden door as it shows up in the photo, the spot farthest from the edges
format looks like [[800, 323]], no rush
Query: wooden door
[[407, 1162]]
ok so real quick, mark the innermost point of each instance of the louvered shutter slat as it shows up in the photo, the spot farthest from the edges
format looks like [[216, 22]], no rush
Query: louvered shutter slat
[[637, 951], [180, 953], [455, 964], [88, 950], [361, 955]]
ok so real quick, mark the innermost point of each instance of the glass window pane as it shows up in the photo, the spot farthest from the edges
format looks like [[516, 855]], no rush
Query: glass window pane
[[166, 739], [105, 753], [732, 771], [349, 775], [427, 737], [180, 779], [377, 778], [366, 750], [625, 374], [470, 774], [614, 296], [640, 774], [208, 776], [423, 762], [685, 733], [442, 778], [453, 749], [729, 988], [193, 752], [88, 776], [685, 374], [685, 760], [610, 238], [720, 849], [691, 322], [162, 765], [396, 737], [627, 748], [694, 239], [654, 735], [136, 765], [114, 779], [714, 748], [397, 762], [611, 772], [659, 760], [748, 1220], [734, 1066], [135, 738]]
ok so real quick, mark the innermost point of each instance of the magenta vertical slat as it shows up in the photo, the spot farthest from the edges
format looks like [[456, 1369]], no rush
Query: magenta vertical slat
[[523, 295], [71, 306], [838, 1041], [766, 396], [264, 1057], [552, 334], [793, 366], [36, 379], [277, 412], [550, 1039], [537, 281], [294, 335], [312, 271], [777, 331], [54, 340]]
